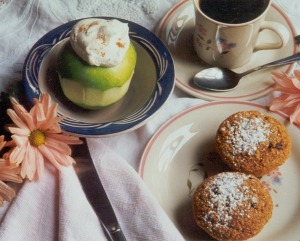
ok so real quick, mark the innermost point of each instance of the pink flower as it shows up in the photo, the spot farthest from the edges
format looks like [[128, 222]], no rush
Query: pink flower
[[9, 172], [38, 138], [289, 99]]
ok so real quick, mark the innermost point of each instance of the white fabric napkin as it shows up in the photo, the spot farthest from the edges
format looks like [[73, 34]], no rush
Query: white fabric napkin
[[54, 208]]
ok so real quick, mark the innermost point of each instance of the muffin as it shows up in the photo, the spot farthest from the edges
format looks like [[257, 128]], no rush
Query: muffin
[[232, 206], [96, 65], [252, 142]]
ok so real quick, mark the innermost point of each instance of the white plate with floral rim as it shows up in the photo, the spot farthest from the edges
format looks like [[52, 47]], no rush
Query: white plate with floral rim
[[176, 30], [151, 85], [179, 156]]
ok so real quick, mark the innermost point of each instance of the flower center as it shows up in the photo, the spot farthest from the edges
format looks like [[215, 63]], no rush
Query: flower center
[[37, 138]]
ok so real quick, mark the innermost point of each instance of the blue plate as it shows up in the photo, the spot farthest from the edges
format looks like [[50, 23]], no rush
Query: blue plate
[[151, 85]]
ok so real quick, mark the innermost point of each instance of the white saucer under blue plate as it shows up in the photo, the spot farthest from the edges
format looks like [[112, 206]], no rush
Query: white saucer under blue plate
[[151, 85]]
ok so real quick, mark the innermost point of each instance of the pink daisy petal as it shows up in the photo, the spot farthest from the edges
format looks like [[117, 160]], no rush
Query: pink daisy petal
[[282, 79], [17, 154], [10, 177], [29, 121], [278, 103], [47, 153], [295, 115], [2, 142], [71, 160], [38, 114], [297, 74], [289, 100], [55, 129], [10, 143], [19, 140], [28, 165], [40, 166], [45, 125], [58, 146], [296, 83], [6, 165], [61, 159], [72, 140], [46, 102], [297, 121], [17, 106], [9, 172], [16, 119], [52, 111], [6, 190], [32, 169], [19, 131]]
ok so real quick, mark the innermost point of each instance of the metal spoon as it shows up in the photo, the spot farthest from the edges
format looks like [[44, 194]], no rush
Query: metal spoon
[[222, 79]]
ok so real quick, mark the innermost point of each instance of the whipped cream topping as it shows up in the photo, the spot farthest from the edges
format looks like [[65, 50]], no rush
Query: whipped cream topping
[[100, 42]]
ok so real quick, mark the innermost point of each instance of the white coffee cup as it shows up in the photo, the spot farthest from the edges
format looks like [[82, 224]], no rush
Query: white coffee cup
[[232, 45]]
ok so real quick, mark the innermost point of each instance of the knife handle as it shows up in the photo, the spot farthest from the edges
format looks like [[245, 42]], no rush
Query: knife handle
[[116, 233], [96, 195]]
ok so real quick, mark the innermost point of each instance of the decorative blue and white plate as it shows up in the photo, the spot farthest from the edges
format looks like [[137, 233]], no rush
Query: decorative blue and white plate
[[151, 85]]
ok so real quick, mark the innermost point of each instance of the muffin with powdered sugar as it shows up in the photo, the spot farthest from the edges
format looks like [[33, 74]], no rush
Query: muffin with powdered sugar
[[232, 206], [253, 142]]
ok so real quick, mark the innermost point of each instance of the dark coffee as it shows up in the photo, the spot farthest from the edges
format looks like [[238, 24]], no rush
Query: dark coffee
[[233, 11]]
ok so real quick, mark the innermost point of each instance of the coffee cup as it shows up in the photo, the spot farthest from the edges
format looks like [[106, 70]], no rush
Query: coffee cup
[[227, 31]]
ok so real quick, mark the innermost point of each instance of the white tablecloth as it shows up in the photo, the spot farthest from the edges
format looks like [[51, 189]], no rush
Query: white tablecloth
[[55, 208]]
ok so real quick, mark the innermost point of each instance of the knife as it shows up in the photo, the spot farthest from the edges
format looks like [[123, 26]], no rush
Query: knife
[[95, 192]]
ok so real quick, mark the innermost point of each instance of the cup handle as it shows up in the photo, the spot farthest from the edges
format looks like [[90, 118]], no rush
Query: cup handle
[[277, 28]]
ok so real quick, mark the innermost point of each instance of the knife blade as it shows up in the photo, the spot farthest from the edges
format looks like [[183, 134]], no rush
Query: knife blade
[[95, 192]]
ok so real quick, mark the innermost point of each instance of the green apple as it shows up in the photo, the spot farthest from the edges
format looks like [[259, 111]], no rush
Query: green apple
[[90, 86]]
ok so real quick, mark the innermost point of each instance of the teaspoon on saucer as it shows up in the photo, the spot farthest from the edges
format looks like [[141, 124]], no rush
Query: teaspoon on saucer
[[222, 79]]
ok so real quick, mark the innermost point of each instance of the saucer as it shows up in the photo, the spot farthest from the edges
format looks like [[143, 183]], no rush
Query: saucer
[[176, 30], [151, 85]]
